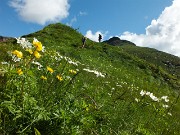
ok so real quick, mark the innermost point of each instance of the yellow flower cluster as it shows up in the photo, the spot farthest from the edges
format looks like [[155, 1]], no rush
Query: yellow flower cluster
[[39, 47], [37, 44], [43, 77], [72, 71], [18, 53], [30, 51], [37, 54], [59, 77], [20, 72], [50, 69]]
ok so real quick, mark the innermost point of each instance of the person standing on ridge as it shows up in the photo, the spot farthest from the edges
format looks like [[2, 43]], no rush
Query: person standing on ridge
[[100, 37], [83, 41]]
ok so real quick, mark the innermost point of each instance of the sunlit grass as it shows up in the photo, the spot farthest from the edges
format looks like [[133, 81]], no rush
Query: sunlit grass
[[62, 89]]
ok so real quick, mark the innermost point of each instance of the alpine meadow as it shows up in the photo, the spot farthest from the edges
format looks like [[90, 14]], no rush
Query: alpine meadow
[[50, 85]]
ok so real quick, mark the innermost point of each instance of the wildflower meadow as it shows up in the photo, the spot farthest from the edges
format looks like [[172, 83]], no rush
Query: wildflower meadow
[[45, 91]]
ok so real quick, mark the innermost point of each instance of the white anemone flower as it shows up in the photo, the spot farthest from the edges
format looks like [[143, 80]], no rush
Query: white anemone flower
[[165, 98], [154, 98], [165, 106], [95, 72], [142, 93], [148, 93]]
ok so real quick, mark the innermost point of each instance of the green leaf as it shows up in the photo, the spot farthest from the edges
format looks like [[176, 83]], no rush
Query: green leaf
[[37, 132]]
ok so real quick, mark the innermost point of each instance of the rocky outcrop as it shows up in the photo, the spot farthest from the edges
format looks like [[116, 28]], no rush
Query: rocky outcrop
[[116, 41], [4, 39]]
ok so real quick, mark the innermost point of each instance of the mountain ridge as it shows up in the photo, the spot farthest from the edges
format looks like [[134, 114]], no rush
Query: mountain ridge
[[116, 41]]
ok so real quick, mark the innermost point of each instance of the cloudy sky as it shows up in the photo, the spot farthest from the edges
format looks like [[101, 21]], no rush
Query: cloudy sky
[[149, 23]]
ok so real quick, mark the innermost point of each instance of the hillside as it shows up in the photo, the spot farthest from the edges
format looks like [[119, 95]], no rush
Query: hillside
[[169, 63], [99, 89]]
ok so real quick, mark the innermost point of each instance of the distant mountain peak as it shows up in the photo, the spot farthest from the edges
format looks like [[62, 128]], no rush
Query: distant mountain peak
[[116, 41], [3, 39], [114, 38]]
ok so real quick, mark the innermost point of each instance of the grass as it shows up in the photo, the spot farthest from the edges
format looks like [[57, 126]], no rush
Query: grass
[[100, 90], [168, 62]]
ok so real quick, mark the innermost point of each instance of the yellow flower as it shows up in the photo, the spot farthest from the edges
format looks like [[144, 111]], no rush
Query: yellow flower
[[59, 77], [20, 72], [43, 77], [72, 71], [18, 53], [30, 51], [50, 69], [37, 44], [37, 54]]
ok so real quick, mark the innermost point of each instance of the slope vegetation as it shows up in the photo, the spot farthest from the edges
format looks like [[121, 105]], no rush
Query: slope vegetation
[[99, 89]]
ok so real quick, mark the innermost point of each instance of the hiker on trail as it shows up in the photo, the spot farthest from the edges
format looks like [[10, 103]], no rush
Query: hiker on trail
[[83, 41], [100, 37]]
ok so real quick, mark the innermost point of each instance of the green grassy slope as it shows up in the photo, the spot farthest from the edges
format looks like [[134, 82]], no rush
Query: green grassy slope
[[104, 100], [68, 42], [168, 62]]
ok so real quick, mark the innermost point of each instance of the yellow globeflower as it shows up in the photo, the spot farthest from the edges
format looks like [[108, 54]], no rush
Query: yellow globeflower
[[59, 77], [72, 71], [50, 69], [37, 54], [20, 72], [30, 51], [38, 45], [18, 53], [43, 77]]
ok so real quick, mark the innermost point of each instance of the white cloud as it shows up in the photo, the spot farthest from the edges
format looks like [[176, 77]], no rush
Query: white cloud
[[163, 33], [73, 20], [94, 37], [82, 13], [41, 11]]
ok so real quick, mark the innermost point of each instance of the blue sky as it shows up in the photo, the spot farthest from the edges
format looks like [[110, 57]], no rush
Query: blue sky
[[116, 16], [139, 21]]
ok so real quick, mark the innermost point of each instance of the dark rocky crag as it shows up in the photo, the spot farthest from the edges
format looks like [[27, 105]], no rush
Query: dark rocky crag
[[4, 39], [116, 41]]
